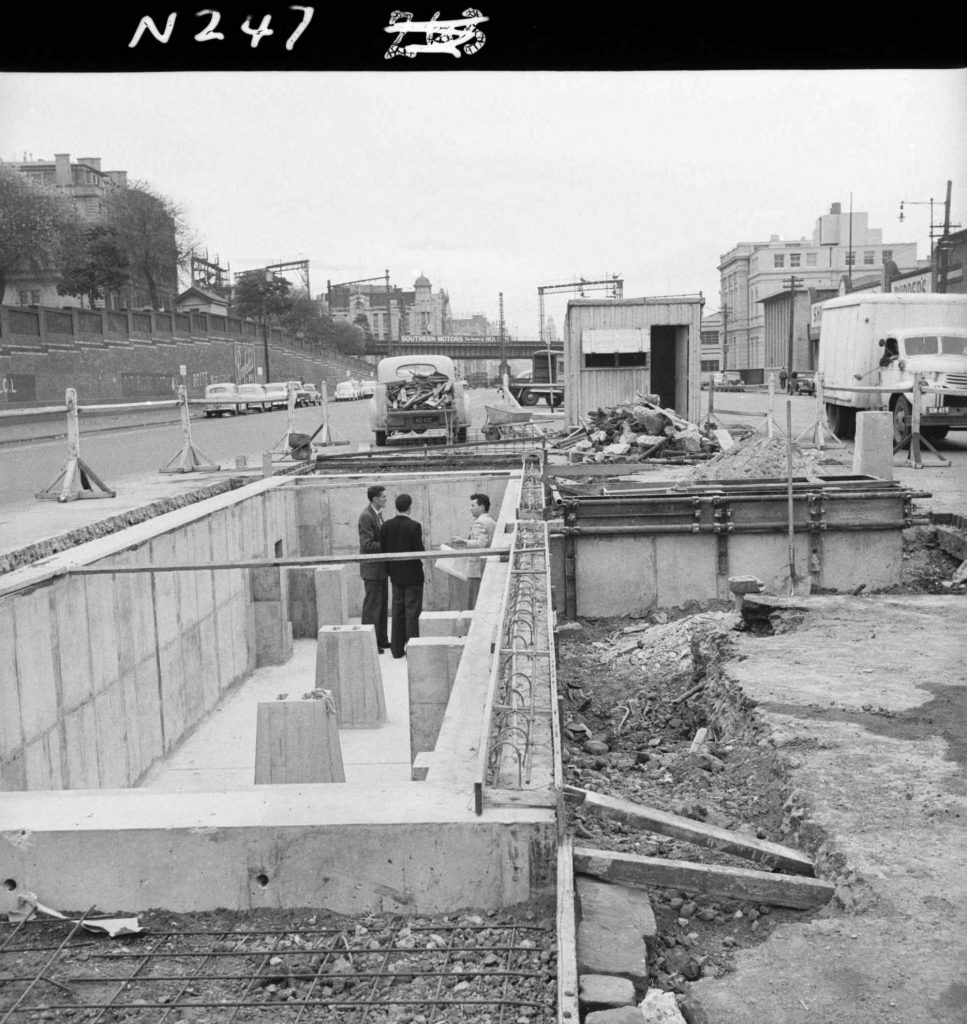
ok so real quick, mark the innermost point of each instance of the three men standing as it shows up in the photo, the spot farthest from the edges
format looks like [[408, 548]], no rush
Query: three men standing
[[404, 534], [375, 596]]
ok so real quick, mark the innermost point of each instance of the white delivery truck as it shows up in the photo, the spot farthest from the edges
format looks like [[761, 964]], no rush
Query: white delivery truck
[[882, 340]]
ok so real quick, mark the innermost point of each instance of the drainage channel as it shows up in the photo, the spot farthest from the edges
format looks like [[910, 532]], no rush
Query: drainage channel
[[481, 968]]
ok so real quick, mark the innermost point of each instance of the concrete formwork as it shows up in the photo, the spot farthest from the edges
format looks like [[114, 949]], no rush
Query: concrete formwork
[[73, 710]]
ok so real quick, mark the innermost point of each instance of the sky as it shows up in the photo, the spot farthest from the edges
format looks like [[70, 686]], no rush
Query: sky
[[500, 182]]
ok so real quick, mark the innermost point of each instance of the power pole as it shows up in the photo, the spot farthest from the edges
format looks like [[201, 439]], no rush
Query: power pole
[[791, 282], [504, 368], [942, 246], [725, 337]]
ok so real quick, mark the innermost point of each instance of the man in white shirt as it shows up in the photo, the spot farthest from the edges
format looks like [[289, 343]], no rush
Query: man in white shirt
[[481, 535]]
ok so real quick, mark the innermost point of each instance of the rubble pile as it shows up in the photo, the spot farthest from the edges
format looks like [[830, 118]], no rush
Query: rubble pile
[[757, 458], [639, 431], [421, 391]]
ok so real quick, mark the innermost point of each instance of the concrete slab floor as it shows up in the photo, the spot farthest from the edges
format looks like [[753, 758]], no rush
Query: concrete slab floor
[[220, 753]]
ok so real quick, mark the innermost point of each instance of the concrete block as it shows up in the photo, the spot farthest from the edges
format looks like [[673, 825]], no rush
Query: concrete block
[[953, 541], [301, 591], [297, 741], [347, 664], [615, 923], [431, 667], [604, 991], [266, 583], [615, 576], [685, 569], [873, 451], [448, 623], [148, 705], [210, 678], [332, 596], [273, 633]]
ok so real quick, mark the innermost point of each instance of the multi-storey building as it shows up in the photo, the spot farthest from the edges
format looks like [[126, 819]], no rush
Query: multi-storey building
[[87, 185], [711, 345], [392, 312], [842, 245]]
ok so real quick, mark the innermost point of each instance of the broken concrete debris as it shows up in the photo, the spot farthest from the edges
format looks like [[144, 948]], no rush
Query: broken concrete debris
[[638, 431]]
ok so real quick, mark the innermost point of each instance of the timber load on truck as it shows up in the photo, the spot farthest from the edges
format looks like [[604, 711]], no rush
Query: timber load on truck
[[416, 394], [871, 346]]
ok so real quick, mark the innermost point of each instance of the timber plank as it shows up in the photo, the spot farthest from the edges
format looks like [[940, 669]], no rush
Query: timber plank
[[742, 884], [761, 851], [567, 967]]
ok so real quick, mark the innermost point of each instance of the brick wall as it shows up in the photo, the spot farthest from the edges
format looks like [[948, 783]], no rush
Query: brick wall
[[126, 355]]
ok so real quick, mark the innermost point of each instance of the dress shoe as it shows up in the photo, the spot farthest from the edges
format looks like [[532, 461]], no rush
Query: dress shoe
[[379, 650], [403, 655]]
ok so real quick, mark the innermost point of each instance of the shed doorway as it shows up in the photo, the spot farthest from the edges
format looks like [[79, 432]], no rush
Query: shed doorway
[[664, 376]]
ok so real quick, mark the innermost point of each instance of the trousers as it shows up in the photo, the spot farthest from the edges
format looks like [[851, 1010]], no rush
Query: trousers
[[375, 609], [407, 605]]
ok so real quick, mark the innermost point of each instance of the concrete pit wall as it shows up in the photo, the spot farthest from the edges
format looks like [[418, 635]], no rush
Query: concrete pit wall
[[415, 847], [109, 673]]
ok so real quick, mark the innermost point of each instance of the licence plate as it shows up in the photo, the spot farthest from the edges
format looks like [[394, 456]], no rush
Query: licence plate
[[422, 420], [937, 410]]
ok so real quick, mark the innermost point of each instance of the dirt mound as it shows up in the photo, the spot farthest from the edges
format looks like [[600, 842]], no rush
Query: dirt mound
[[757, 458]]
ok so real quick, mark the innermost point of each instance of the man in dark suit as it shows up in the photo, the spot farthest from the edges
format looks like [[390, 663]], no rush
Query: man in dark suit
[[404, 534], [375, 596]]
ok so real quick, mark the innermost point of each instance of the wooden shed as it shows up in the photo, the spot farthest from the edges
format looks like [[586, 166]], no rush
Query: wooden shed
[[614, 348]]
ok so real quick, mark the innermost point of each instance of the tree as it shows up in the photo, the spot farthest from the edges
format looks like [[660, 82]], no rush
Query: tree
[[258, 298], [37, 223], [348, 338], [362, 322], [153, 232], [97, 265]]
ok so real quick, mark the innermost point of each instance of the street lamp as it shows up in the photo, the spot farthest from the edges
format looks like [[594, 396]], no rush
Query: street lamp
[[940, 231], [269, 278]]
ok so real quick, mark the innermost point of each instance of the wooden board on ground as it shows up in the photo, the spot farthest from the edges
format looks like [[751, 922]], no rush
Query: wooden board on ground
[[770, 855], [742, 884], [567, 968]]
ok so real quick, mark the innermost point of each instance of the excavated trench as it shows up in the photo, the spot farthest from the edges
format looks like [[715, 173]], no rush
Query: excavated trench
[[636, 696]]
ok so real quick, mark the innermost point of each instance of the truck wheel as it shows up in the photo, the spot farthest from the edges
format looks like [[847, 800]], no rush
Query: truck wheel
[[527, 398], [380, 438], [935, 433], [902, 419], [554, 400]]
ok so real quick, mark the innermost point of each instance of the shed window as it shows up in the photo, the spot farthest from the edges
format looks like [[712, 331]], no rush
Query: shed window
[[615, 347]]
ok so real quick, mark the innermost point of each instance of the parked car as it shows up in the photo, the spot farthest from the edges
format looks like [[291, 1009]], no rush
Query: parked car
[[805, 383], [312, 394], [253, 396], [728, 380], [221, 399], [367, 388], [347, 391], [277, 395]]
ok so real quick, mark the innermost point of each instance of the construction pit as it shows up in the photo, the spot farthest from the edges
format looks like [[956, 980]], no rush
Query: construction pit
[[603, 785]]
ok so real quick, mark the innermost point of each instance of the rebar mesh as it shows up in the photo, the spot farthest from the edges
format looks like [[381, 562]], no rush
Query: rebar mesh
[[378, 972]]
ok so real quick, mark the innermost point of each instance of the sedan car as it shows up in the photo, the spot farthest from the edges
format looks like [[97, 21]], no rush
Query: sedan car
[[313, 397], [346, 391], [252, 396], [367, 388]]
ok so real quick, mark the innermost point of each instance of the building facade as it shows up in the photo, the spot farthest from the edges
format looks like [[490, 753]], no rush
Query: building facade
[[87, 185], [711, 345], [392, 312], [842, 244]]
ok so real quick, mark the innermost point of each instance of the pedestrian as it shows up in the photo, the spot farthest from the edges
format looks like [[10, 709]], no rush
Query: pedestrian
[[481, 534], [375, 596], [404, 533], [783, 377]]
